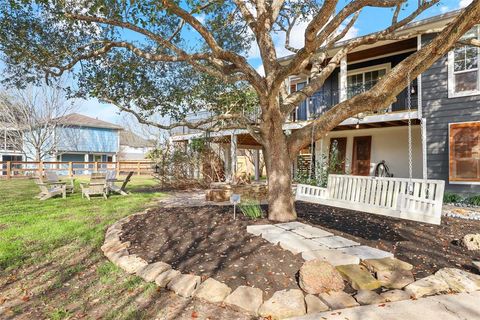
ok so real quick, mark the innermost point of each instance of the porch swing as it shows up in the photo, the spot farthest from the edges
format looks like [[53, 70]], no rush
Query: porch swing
[[405, 198]]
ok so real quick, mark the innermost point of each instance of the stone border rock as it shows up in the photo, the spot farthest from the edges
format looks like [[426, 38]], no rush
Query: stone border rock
[[283, 303]]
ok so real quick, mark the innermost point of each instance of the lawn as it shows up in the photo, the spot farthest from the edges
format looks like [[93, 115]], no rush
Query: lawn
[[30, 229], [51, 265]]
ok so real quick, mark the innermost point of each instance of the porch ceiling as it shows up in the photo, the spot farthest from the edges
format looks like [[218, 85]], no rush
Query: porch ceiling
[[386, 124]]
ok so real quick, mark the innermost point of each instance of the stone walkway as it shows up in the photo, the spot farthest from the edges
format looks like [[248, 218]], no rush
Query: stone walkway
[[462, 306], [316, 243]]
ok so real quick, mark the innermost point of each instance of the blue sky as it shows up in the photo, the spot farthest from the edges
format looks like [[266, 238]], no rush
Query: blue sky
[[370, 20]]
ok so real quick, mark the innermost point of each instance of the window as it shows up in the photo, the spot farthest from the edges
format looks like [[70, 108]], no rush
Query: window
[[463, 68], [361, 80], [464, 152]]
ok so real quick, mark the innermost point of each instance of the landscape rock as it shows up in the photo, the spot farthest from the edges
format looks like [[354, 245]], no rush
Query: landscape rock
[[114, 256], [332, 256], [184, 284], [165, 277], [395, 295], [395, 279], [131, 263], [365, 297], [114, 245], [459, 280], [284, 304], [317, 276], [212, 290], [472, 241], [153, 270], [246, 299], [386, 264], [427, 286], [338, 300], [359, 277], [314, 304]]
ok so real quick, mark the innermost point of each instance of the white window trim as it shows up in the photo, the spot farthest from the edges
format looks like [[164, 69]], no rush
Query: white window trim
[[451, 75], [449, 150]]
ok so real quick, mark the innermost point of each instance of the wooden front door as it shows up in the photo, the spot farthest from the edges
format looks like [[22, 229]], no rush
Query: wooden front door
[[337, 154], [362, 147]]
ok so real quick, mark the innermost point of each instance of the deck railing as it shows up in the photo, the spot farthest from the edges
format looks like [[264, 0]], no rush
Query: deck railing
[[25, 169]]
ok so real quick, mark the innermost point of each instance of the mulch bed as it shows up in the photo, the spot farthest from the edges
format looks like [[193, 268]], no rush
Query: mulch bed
[[207, 241]]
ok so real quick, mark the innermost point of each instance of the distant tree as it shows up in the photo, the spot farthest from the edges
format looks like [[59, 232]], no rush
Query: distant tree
[[34, 114], [174, 57]]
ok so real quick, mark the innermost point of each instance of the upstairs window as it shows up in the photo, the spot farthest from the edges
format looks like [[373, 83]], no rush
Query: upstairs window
[[361, 80], [463, 67], [464, 152]]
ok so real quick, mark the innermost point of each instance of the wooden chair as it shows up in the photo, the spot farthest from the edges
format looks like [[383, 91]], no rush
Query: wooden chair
[[111, 179], [48, 190], [96, 186], [53, 178]]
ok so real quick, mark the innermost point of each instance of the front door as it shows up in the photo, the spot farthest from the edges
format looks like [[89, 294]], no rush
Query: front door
[[361, 155]]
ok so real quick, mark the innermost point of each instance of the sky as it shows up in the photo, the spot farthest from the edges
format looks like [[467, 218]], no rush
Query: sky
[[370, 20]]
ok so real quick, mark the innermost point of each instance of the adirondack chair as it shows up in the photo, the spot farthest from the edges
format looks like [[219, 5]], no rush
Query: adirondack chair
[[96, 186], [53, 178], [111, 179], [48, 190]]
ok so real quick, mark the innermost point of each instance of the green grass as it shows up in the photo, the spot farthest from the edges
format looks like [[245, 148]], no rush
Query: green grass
[[31, 229]]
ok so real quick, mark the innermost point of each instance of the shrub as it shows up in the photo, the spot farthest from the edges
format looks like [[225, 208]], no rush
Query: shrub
[[450, 197], [251, 209], [473, 200]]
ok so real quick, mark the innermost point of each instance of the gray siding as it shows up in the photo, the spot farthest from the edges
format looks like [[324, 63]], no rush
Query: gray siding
[[439, 111]]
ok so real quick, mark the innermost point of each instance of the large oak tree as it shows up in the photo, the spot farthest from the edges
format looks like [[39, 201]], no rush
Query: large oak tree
[[172, 57]]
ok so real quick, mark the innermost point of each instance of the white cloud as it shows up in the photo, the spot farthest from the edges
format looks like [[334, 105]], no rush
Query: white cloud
[[464, 3], [444, 9]]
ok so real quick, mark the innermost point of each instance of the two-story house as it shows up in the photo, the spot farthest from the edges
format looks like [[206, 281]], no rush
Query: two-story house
[[443, 108], [9, 143]]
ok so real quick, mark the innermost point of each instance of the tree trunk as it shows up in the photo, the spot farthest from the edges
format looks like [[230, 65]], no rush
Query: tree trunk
[[278, 163]]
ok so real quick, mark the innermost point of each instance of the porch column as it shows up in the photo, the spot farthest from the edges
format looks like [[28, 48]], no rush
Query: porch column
[[85, 158], [233, 156], [227, 160], [343, 80], [257, 164], [423, 128]]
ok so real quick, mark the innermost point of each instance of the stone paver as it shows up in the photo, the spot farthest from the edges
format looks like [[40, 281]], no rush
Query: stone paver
[[459, 280], [184, 284], [359, 277], [275, 238], [365, 252], [246, 299], [336, 242], [338, 300], [446, 307], [293, 225], [386, 264], [295, 245], [395, 295], [335, 257], [258, 229], [427, 286], [212, 290], [365, 297], [314, 304], [312, 232], [396, 279], [153, 270], [284, 304], [164, 278]]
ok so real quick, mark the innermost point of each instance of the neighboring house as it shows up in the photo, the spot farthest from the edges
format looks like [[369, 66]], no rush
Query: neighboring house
[[445, 99], [9, 144], [133, 147], [81, 138]]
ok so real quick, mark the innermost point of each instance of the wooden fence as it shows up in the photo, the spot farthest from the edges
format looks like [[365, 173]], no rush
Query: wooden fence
[[25, 169]]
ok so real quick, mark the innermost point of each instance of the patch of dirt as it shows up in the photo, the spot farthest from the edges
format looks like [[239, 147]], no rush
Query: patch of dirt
[[427, 247], [207, 241]]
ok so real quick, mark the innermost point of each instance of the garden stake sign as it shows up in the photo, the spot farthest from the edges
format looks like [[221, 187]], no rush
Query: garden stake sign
[[235, 199]]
